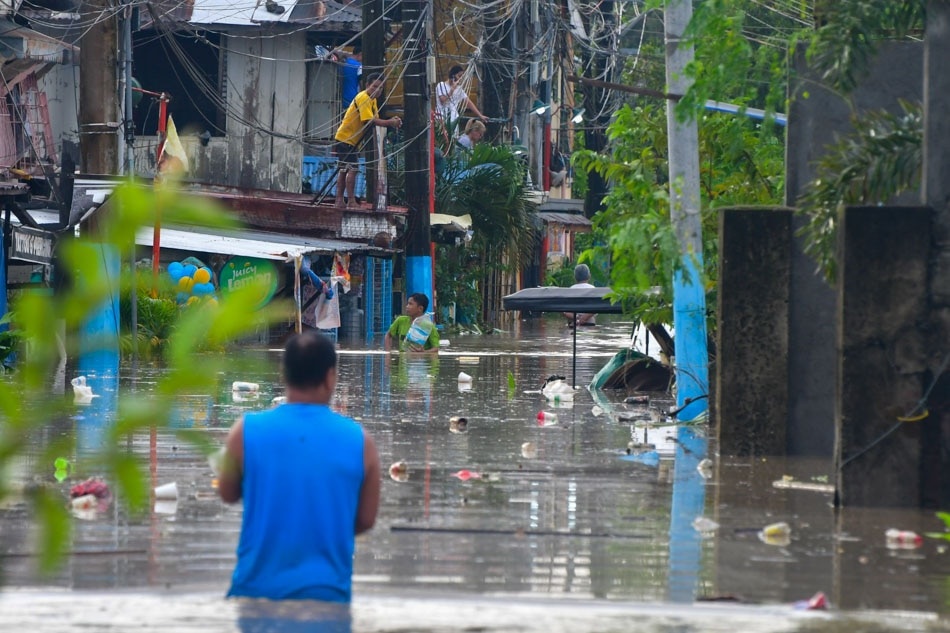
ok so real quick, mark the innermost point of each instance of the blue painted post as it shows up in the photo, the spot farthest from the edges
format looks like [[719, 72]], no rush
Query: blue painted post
[[689, 312], [100, 332], [419, 275], [689, 500], [99, 357]]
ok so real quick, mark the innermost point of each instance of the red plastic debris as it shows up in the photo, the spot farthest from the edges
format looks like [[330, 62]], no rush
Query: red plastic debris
[[465, 475], [93, 486], [817, 602]]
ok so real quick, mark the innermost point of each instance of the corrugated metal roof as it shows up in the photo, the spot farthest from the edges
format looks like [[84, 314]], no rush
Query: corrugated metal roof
[[566, 219], [321, 14], [250, 243]]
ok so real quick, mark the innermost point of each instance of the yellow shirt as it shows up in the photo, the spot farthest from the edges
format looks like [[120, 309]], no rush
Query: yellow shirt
[[362, 110]]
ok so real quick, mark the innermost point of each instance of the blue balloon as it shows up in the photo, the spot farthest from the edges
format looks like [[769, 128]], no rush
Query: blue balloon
[[181, 297], [190, 270], [203, 289], [175, 271]]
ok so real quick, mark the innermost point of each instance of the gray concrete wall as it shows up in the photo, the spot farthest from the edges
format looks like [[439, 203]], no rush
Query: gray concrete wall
[[752, 331], [61, 85], [815, 116], [267, 89], [883, 257]]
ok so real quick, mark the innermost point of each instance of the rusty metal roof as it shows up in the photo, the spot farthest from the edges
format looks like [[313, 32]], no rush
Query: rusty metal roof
[[321, 14], [572, 220]]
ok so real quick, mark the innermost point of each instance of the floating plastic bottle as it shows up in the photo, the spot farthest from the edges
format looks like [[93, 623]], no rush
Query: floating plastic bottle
[[546, 419], [419, 332], [903, 539], [245, 387]]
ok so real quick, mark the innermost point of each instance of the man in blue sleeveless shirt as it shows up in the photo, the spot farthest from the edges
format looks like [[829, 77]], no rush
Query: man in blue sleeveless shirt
[[310, 481]]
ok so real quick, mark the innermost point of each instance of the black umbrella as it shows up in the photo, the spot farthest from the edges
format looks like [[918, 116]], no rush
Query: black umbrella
[[553, 299]]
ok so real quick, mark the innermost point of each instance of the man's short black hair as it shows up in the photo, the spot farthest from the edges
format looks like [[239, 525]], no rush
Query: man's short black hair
[[370, 78], [357, 50], [456, 70], [308, 357], [421, 300]]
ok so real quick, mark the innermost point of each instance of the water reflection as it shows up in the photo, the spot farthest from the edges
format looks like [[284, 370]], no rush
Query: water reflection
[[559, 509], [293, 616]]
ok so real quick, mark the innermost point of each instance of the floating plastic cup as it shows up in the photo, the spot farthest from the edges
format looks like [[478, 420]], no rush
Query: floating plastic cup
[[546, 419], [464, 378], [167, 491], [166, 506]]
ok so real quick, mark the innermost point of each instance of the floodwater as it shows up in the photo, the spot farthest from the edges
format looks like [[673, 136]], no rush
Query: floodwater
[[510, 526]]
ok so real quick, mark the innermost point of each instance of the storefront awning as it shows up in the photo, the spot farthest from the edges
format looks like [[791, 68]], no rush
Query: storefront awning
[[271, 246]]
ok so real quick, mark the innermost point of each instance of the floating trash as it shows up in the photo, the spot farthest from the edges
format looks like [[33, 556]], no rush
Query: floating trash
[[245, 387], [399, 471], [558, 390], [458, 424], [278, 400], [777, 534], [704, 468], [464, 378], [596, 411], [82, 393], [902, 539], [167, 492], [706, 527], [93, 486], [817, 602], [89, 498], [465, 475], [637, 400], [547, 419], [529, 450]]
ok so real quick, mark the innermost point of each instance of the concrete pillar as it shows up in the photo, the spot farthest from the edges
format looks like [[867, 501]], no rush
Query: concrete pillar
[[883, 257], [752, 350]]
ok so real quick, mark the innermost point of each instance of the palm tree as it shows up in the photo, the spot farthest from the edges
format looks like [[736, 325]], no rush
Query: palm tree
[[489, 184]]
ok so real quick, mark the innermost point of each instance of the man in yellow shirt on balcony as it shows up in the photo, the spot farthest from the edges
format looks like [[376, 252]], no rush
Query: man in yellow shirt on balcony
[[360, 116]]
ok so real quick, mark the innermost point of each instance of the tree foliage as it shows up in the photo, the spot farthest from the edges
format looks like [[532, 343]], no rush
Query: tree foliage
[[880, 160], [489, 184], [26, 405], [740, 163]]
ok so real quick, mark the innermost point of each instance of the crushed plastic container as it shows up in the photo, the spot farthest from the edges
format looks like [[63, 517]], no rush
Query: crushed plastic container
[[419, 332], [546, 419], [902, 539], [245, 387]]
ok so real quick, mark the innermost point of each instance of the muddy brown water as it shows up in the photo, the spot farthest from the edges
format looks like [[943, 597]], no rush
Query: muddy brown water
[[561, 530]]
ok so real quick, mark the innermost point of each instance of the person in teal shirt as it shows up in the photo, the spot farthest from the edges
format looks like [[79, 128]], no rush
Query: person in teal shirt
[[416, 306]]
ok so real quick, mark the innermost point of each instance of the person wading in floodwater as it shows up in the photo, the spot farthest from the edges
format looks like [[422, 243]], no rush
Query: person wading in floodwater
[[310, 481]]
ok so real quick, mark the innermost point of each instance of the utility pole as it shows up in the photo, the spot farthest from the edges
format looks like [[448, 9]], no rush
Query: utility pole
[[689, 313], [373, 42], [98, 103], [416, 19], [689, 294]]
